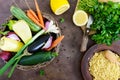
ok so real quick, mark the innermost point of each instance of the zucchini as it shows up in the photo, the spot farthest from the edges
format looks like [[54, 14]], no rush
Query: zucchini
[[38, 43], [36, 58], [20, 14]]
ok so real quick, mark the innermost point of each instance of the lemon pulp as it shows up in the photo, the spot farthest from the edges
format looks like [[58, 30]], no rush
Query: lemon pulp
[[80, 18]]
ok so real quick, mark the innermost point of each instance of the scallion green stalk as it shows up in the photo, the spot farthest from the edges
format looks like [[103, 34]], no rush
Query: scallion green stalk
[[13, 60]]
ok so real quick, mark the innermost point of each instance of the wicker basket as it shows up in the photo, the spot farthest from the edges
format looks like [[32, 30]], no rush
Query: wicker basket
[[25, 68]]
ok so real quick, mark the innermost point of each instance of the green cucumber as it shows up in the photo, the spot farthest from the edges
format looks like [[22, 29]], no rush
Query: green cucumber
[[20, 14], [39, 57]]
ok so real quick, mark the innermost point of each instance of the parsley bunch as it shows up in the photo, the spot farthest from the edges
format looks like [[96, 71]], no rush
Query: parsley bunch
[[86, 4], [106, 22]]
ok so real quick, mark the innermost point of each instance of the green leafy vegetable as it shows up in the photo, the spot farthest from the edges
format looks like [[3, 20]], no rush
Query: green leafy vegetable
[[10, 24], [42, 72], [106, 22], [4, 33], [86, 4], [62, 20]]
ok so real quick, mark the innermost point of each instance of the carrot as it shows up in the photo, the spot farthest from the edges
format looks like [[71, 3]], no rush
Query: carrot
[[34, 14], [39, 13], [31, 11], [56, 42], [33, 19]]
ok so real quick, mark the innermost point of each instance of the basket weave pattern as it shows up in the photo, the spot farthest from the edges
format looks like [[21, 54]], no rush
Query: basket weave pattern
[[25, 68]]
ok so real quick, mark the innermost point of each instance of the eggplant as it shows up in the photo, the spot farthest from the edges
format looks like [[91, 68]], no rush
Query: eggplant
[[38, 43]]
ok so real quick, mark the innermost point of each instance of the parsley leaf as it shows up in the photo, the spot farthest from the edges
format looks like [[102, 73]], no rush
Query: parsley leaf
[[42, 72]]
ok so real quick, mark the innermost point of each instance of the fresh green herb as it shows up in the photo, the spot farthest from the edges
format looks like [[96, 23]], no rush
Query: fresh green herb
[[4, 33], [86, 4], [62, 20], [10, 24], [42, 72], [106, 22]]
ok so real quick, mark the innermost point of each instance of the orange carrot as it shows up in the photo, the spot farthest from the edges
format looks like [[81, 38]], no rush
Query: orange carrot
[[33, 19], [39, 13], [55, 43], [34, 14]]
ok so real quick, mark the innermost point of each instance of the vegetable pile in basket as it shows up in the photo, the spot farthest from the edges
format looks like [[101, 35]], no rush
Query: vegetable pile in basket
[[106, 22], [28, 39]]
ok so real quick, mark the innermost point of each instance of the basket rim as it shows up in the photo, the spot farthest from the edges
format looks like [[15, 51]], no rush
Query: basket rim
[[40, 65]]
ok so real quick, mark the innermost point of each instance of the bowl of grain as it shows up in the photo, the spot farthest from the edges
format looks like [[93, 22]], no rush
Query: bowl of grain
[[96, 66]]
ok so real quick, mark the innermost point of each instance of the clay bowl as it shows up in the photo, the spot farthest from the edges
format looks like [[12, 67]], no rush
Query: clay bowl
[[56, 49], [88, 55]]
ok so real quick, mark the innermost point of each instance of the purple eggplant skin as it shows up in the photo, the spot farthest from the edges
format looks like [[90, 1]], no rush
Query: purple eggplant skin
[[38, 43]]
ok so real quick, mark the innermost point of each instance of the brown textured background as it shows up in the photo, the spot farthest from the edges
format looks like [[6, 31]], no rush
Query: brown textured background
[[67, 65]]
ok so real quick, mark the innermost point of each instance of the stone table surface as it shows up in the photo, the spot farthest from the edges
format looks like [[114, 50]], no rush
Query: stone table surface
[[67, 65]]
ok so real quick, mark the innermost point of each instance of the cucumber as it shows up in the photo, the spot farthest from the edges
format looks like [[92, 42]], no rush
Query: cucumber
[[36, 58], [20, 14]]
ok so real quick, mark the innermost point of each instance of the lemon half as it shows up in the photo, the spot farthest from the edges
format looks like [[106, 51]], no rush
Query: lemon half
[[59, 6], [80, 18]]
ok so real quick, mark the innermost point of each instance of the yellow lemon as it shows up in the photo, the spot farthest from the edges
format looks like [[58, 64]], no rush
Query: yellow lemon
[[59, 6], [80, 18]]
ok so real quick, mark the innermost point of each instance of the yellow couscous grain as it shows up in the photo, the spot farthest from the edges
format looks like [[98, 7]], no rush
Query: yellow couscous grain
[[102, 69]]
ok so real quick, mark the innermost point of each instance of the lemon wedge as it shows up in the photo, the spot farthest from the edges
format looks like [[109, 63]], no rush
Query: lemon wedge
[[80, 18], [59, 6]]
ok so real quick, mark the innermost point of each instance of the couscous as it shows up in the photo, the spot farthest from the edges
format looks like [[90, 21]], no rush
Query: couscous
[[102, 69]]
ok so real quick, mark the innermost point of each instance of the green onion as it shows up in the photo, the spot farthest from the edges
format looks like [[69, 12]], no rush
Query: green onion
[[13, 60]]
